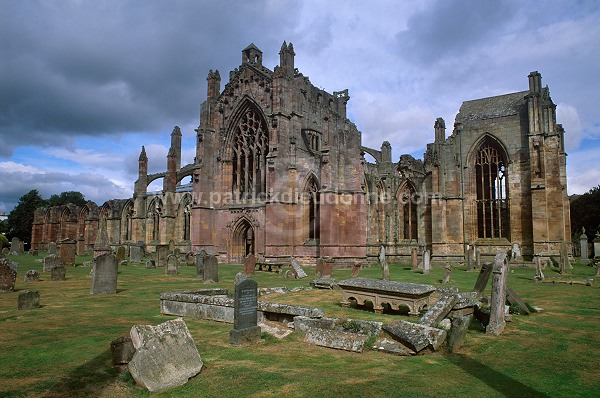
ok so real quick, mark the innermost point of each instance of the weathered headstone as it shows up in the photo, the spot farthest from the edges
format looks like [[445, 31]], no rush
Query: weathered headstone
[[356, 269], [8, 275], [482, 278], [34, 252], [297, 268], [50, 262], [477, 258], [171, 247], [516, 252], [498, 298], [135, 254], [458, 330], [200, 264], [438, 311], [240, 276], [5, 251], [162, 251], [68, 248], [426, 260], [415, 336], [165, 355], [58, 273], [564, 258], [211, 269], [539, 275], [513, 298], [52, 248], [122, 350], [28, 300], [32, 276], [447, 274], [150, 264], [327, 269], [104, 275], [172, 265], [245, 316], [101, 245], [190, 261], [597, 244], [250, 264], [319, 267], [120, 254], [469, 259], [385, 268], [15, 245], [583, 242], [414, 258]]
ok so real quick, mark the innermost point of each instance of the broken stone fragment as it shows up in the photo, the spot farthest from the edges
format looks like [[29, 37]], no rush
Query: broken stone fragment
[[166, 355], [415, 336]]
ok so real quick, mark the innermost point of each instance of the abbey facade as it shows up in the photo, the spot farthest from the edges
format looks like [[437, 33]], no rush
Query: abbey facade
[[280, 171]]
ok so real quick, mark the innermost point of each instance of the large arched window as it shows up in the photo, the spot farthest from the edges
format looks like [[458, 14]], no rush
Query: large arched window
[[250, 147], [407, 200], [492, 192], [311, 201]]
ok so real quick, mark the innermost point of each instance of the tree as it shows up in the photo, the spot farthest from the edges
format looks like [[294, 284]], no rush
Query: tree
[[20, 219], [66, 198], [585, 212]]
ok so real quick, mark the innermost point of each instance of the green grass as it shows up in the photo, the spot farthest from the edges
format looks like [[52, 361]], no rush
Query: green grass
[[63, 348]]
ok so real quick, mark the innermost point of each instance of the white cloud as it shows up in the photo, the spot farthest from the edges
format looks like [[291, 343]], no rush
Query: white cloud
[[568, 116]]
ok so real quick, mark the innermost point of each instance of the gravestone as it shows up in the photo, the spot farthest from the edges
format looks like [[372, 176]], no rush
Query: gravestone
[[564, 258], [426, 259], [171, 247], [385, 269], [415, 258], [250, 264], [81, 246], [68, 248], [120, 254], [211, 269], [34, 252], [469, 259], [190, 261], [597, 244], [5, 251], [50, 262], [482, 278], [150, 264], [245, 314], [539, 275], [513, 298], [122, 350], [8, 275], [319, 267], [240, 276], [135, 254], [28, 300], [200, 264], [583, 242], [356, 269], [172, 265], [52, 248], [101, 245], [104, 275], [162, 251], [516, 252], [15, 245], [21, 247], [447, 274], [58, 273], [32, 276], [498, 300], [477, 258], [165, 355], [327, 269], [297, 268]]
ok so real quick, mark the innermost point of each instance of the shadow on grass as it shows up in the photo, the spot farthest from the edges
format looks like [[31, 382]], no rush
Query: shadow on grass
[[87, 380], [505, 385]]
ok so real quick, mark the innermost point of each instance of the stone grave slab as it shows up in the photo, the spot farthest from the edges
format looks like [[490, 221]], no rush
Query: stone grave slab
[[162, 251], [513, 298], [52, 248], [120, 254], [297, 268], [438, 311], [482, 278], [150, 264], [415, 336], [104, 275], [319, 267], [498, 298]]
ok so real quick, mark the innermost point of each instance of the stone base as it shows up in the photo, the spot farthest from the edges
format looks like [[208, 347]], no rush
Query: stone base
[[244, 337]]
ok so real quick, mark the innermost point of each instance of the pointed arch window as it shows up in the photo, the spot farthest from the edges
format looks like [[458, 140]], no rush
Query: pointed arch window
[[249, 157], [492, 191], [312, 202], [408, 212]]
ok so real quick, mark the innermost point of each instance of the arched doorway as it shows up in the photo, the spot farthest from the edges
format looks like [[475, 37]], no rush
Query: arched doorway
[[243, 241]]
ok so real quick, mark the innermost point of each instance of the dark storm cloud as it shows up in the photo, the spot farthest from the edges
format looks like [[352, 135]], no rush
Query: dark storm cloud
[[102, 68]]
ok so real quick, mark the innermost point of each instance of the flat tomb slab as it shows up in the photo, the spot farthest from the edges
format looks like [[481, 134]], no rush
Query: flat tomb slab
[[413, 295]]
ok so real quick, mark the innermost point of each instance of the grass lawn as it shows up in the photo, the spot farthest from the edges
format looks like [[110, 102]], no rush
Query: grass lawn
[[63, 348]]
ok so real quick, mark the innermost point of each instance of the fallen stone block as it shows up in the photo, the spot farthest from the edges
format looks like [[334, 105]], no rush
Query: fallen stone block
[[415, 336], [166, 355], [438, 311], [392, 347], [341, 340]]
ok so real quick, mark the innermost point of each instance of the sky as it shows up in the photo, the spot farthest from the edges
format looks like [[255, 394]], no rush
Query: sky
[[84, 84]]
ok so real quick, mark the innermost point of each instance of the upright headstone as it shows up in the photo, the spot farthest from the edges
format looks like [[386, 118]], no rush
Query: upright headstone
[[356, 269], [28, 300], [15, 245], [583, 242], [327, 268], [190, 261], [120, 254], [101, 245], [104, 275], [385, 269], [21, 247], [58, 273], [539, 275], [34, 252], [8, 275], [150, 264], [211, 269], [32, 276], [81, 246], [414, 258], [50, 262], [447, 274], [245, 314], [426, 260], [200, 264], [135, 254], [564, 258], [68, 248], [171, 247], [477, 258], [597, 244], [172, 265], [52, 248], [250, 264], [297, 268], [469, 258], [319, 267], [516, 252], [162, 251], [498, 298]]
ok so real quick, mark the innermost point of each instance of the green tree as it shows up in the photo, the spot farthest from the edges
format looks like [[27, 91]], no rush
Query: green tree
[[585, 212], [20, 219], [66, 198]]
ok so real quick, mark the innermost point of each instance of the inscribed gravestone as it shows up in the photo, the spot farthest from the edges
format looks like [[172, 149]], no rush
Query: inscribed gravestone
[[28, 300], [135, 254], [104, 275], [498, 299], [250, 264], [200, 264], [211, 269], [539, 275], [50, 262], [172, 265], [8, 275], [245, 315], [68, 248], [58, 273], [52, 248], [32, 276]]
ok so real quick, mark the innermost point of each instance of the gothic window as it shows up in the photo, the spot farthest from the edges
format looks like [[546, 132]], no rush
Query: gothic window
[[186, 221], [154, 214], [381, 199], [312, 201], [250, 147], [491, 183], [128, 222], [408, 212]]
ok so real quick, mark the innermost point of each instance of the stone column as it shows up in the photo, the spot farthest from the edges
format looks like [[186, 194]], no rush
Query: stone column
[[583, 242], [498, 299]]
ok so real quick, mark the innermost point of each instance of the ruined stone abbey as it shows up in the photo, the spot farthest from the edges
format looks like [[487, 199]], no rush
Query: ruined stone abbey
[[280, 171]]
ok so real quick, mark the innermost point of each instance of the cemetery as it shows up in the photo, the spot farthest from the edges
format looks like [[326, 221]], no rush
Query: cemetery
[[114, 327]]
